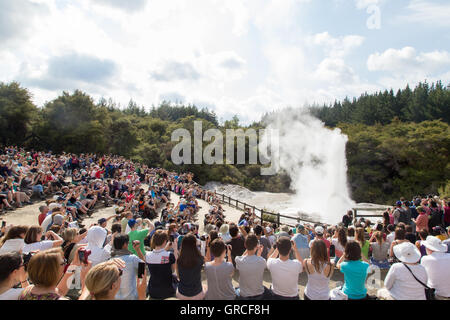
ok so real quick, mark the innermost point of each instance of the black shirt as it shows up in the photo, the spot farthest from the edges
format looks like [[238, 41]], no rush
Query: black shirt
[[191, 280], [237, 247]]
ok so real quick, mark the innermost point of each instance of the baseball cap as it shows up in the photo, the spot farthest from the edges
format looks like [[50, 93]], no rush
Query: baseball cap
[[319, 230], [131, 223], [398, 203], [101, 221], [300, 227]]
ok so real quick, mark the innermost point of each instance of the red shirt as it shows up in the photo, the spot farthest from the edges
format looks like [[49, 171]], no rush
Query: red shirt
[[41, 218]]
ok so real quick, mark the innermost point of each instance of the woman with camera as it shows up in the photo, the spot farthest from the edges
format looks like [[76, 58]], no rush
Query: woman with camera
[[33, 240], [12, 272], [50, 275]]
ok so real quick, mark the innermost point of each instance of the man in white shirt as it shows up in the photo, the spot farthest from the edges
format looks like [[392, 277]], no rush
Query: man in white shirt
[[437, 265], [284, 271]]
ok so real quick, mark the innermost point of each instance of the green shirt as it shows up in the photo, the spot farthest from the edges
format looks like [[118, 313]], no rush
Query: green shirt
[[137, 235]]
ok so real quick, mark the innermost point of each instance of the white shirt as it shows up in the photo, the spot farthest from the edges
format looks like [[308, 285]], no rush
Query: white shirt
[[438, 269], [390, 238], [41, 246], [284, 276], [11, 294], [402, 285]]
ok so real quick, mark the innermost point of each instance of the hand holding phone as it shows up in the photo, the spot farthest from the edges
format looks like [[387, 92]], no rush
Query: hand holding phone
[[141, 269]]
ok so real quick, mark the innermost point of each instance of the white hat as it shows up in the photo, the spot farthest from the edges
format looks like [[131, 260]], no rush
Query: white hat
[[268, 229], [434, 244], [12, 245], [407, 252], [319, 230]]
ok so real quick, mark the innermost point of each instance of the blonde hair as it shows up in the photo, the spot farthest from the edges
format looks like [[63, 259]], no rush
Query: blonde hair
[[100, 279], [69, 234], [44, 267]]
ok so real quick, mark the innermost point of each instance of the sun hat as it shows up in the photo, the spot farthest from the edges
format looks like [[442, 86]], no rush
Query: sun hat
[[407, 252], [319, 230], [434, 244]]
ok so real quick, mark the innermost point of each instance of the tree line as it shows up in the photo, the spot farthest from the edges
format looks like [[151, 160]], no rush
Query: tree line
[[398, 145]]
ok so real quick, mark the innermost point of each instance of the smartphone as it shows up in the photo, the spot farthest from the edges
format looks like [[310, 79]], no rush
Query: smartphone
[[141, 269], [3, 224], [81, 255]]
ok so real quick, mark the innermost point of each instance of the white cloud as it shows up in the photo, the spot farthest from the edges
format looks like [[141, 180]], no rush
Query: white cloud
[[427, 12], [336, 47]]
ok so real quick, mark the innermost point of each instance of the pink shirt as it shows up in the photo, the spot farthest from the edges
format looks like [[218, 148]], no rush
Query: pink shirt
[[422, 222]]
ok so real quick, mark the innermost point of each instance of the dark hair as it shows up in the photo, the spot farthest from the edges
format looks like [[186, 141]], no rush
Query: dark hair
[[190, 256], [217, 247], [14, 233], [409, 229], [401, 225], [342, 236], [120, 240], [234, 230], [284, 245], [351, 232], [399, 233], [31, 235], [116, 227], [8, 263], [352, 251], [258, 230], [319, 255], [423, 234], [251, 242], [390, 227], [158, 238]]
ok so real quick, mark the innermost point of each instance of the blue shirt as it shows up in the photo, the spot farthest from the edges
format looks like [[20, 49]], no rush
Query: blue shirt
[[355, 274], [128, 289], [301, 241]]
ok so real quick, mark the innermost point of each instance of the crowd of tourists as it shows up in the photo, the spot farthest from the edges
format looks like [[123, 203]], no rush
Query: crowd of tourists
[[151, 247]]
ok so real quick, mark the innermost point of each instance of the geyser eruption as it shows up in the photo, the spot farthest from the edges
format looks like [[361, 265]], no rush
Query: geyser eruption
[[314, 158]]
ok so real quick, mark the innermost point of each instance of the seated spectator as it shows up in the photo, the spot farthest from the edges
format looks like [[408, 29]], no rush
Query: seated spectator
[[13, 240], [12, 272], [400, 283], [285, 272], [33, 240], [50, 274], [251, 266], [189, 268], [237, 243], [437, 265], [365, 245], [355, 272], [399, 238], [302, 239], [219, 273], [319, 235], [410, 235], [319, 271], [128, 289], [96, 237], [380, 251], [161, 264], [103, 281]]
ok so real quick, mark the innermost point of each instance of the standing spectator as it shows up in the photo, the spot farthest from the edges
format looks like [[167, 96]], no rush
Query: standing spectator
[[422, 220], [319, 271], [251, 268], [347, 219], [437, 265], [284, 271], [400, 283], [355, 272]]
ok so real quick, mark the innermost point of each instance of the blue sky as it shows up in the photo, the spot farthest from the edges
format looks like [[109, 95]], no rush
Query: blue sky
[[235, 56]]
